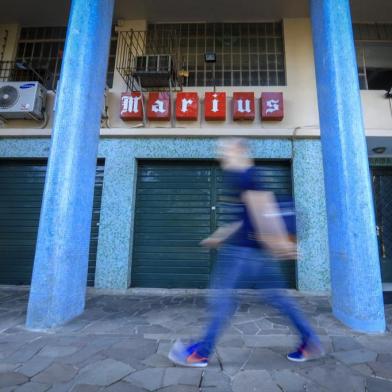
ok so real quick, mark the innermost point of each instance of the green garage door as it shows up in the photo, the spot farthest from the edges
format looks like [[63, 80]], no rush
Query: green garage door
[[177, 205], [21, 190]]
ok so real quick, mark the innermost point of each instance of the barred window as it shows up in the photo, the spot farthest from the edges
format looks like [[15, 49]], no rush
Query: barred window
[[248, 54], [374, 55], [40, 49]]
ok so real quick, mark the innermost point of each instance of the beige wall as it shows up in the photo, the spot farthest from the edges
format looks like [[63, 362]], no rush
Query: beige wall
[[300, 99], [9, 35]]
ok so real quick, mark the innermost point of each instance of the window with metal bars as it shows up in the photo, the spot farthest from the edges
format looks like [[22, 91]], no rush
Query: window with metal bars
[[248, 54], [373, 43], [41, 49]]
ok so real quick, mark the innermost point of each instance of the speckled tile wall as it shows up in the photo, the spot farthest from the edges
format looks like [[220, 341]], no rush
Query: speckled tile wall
[[313, 266], [114, 256]]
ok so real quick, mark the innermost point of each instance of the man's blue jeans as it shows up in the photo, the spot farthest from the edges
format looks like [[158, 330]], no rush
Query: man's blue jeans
[[235, 264]]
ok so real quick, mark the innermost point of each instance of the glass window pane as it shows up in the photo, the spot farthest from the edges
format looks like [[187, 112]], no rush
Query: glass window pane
[[263, 78], [281, 79], [191, 80], [227, 78], [245, 78], [254, 78], [273, 79], [236, 78], [263, 62], [236, 61], [254, 61], [271, 62]]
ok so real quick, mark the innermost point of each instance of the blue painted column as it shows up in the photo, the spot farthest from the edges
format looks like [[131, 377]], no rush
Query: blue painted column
[[355, 271], [61, 260]]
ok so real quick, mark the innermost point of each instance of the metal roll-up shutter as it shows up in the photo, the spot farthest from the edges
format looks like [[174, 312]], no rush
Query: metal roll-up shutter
[[172, 215], [21, 190], [177, 205]]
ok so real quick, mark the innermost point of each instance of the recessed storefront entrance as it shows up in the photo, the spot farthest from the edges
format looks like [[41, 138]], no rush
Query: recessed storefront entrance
[[178, 203], [382, 185]]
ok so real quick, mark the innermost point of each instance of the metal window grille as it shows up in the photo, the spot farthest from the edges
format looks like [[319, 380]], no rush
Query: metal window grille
[[41, 49], [248, 54], [369, 38]]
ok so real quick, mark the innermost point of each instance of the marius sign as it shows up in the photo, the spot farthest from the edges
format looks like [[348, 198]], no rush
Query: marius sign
[[158, 106]]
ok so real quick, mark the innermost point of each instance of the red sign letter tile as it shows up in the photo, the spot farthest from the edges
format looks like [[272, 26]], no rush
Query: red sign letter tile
[[243, 106], [158, 107], [187, 106], [215, 106], [131, 106], [272, 107]]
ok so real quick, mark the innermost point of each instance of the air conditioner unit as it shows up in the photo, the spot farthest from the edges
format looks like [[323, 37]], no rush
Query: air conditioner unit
[[22, 100], [154, 70]]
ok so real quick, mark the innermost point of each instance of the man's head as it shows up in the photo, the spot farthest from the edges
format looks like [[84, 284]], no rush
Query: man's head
[[233, 152]]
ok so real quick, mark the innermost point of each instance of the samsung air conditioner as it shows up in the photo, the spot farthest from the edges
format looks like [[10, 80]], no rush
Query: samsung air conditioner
[[22, 100]]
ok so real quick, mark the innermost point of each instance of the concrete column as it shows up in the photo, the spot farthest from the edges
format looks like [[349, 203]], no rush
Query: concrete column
[[355, 272], [60, 268]]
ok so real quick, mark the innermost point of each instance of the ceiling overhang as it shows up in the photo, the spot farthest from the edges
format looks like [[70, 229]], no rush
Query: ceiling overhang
[[54, 12]]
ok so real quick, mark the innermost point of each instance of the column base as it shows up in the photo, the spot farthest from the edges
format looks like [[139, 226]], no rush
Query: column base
[[364, 326]]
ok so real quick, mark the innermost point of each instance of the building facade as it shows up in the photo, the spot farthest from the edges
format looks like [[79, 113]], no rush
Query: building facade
[[157, 186]]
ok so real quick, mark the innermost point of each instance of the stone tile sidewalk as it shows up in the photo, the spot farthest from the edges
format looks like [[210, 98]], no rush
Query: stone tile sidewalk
[[120, 344]]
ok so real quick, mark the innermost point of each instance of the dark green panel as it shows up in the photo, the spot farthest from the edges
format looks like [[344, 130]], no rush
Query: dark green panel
[[21, 189], [382, 186], [173, 213]]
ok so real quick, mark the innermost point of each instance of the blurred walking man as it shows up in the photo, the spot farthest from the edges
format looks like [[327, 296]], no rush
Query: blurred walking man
[[256, 235]]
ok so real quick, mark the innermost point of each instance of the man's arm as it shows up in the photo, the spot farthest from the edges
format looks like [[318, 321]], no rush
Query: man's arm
[[270, 228], [221, 234]]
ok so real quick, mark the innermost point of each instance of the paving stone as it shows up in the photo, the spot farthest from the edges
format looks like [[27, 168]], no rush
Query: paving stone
[[378, 385], [231, 341], [7, 389], [380, 344], [158, 360], [335, 378], [382, 369], [56, 373], [384, 358], [150, 379], [290, 381], [182, 376], [9, 379], [355, 356], [364, 369], [124, 387], [80, 356], [22, 355], [180, 388], [105, 372], [86, 388], [254, 381], [7, 367], [264, 358], [345, 343], [270, 340], [232, 359], [215, 380], [58, 351], [164, 348], [35, 365], [33, 387], [249, 328], [264, 324]]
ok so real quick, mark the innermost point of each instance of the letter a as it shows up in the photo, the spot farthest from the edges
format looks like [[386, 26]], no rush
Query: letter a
[[157, 106]]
